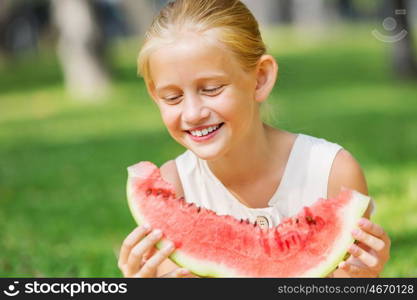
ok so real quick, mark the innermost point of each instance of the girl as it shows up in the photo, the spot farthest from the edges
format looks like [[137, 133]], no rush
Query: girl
[[205, 66]]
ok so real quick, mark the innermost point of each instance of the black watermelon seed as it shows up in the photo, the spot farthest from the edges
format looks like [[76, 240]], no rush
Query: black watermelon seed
[[310, 220]]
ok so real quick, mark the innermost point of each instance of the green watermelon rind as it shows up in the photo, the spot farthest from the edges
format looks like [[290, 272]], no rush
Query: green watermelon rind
[[350, 216]]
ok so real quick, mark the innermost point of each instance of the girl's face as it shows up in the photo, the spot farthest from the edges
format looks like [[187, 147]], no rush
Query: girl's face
[[205, 98]]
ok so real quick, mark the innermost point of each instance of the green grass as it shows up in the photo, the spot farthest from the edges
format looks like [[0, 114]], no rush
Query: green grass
[[63, 210]]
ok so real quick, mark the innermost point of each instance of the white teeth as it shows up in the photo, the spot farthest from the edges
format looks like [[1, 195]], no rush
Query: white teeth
[[205, 131]]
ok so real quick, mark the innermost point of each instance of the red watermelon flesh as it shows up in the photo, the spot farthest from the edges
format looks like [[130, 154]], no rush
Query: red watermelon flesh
[[310, 244]]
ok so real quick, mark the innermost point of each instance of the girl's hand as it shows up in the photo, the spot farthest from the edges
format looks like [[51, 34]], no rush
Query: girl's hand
[[370, 254], [140, 258]]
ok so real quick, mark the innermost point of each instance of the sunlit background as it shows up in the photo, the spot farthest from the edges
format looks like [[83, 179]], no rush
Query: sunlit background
[[74, 115]]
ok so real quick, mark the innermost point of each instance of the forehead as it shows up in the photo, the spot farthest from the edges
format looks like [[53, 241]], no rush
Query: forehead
[[190, 58]]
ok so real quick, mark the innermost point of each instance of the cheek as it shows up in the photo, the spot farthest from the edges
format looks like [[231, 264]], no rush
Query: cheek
[[170, 117], [234, 106]]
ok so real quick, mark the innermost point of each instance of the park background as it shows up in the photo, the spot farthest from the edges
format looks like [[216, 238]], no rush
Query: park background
[[74, 115]]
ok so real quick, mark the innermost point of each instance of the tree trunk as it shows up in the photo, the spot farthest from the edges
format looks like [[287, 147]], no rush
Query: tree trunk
[[5, 9], [80, 49], [404, 62]]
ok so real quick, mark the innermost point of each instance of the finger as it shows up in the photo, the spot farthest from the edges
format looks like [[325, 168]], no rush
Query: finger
[[372, 228], [149, 253], [131, 240], [151, 265], [135, 257], [179, 273], [368, 239], [356, 262], [354, 270], [368, 259]]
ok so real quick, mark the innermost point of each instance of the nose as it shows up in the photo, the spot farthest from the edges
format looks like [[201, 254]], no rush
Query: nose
[[194, 111]]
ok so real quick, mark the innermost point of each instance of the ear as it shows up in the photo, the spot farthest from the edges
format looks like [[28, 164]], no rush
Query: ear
[[266, 76]]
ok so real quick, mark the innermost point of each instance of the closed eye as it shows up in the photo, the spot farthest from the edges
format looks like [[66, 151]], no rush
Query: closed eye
[[172, 98], [213, 90]]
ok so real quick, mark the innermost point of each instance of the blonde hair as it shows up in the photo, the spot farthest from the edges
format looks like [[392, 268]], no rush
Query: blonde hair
[[236, 28]]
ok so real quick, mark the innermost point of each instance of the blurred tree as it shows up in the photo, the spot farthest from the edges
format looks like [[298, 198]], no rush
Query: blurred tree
[[5, 7], [81, 48], [404, 61], [269, 12], [307, 13], [367, 9], [284, 13], [265, 11], [139, 13], [311, 19], [347, 9], [21, 24]]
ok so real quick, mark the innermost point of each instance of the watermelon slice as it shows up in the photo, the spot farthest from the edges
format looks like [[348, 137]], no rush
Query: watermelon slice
[[310, 244]]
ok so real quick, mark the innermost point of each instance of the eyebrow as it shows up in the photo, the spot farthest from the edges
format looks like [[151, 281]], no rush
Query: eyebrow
[[205, 77]]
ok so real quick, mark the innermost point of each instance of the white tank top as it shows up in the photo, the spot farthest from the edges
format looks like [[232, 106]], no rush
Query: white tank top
[[305, 180]]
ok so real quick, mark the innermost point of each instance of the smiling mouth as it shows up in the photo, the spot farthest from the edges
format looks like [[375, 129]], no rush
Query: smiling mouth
[[205, 131]]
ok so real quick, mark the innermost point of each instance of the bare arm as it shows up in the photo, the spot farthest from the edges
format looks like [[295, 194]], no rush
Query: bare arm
[[372, 252]]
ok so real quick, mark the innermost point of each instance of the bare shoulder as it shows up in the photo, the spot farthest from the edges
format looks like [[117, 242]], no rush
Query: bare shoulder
[[169, 173], [346, 172]]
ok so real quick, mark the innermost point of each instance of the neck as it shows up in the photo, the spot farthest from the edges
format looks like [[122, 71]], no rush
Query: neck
[[239, 167]]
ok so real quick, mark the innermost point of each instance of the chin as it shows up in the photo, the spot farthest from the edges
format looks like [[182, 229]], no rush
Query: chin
[[209, 152]]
